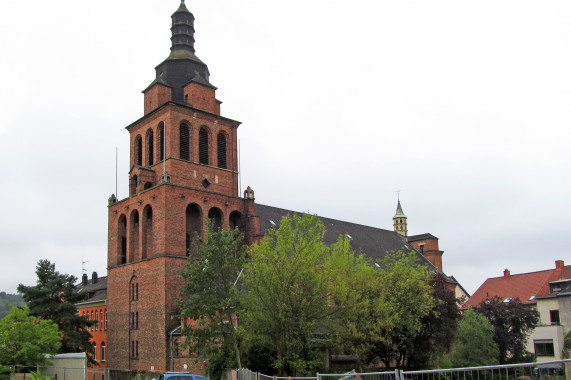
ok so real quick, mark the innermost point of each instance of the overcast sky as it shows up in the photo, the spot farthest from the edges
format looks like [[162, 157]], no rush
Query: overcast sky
[[461, 104]]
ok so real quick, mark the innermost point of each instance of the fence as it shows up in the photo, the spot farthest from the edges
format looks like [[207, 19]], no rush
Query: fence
[[554, 370]]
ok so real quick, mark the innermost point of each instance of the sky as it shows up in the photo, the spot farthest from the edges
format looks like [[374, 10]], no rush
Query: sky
[[462, 105]]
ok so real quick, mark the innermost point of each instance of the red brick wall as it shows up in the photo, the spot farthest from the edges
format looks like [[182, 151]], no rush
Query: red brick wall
[[202, 97], [99, 331], [155, 96], [430, 251]]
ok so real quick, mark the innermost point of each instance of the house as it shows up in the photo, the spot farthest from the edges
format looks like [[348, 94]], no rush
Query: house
[[549, 292], [94, 308]]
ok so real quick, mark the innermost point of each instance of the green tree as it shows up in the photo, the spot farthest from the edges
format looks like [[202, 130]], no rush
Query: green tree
[[54, 298], [438, 327], [513, 322], [397, 299], [209, 298], [7, 301], [291, 301], [24, 339], [474, 342]]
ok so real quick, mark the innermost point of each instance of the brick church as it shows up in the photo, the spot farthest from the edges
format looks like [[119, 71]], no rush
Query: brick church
[[183, 171]]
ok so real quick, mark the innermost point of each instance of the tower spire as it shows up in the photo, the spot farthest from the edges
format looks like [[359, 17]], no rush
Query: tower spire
[[399, 221]]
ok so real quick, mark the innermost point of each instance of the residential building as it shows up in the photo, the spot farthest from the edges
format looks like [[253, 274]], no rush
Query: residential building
[[549, 292], [94, 308]]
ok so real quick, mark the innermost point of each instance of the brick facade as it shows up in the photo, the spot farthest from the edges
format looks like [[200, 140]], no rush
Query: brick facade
[[184, 171]]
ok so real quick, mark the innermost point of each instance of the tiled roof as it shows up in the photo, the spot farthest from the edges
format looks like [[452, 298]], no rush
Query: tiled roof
[[421, 237], [96, 292], [371, 241], [525, 286]]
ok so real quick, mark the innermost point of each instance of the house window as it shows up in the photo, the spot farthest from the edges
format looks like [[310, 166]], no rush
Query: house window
[[102, 351], [422, 249], [105, 319], [554, 315], [544, 347], [96, 319], [100, 319], [94, 351]]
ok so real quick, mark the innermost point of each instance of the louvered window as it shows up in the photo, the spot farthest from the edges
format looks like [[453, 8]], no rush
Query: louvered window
[[203, 146], [184, 142], [150, 147], [221, 150], [161, 142], [138, 150]]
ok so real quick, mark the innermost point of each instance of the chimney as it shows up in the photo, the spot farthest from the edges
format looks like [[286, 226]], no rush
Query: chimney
[[84, 279], [559, 264], [94, 278], [506, 272]]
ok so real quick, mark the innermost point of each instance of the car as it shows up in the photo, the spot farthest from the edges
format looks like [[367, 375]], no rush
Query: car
[[180, 376]]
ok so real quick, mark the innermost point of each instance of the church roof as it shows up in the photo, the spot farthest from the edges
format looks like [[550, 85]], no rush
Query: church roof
[[374, 242], [399, 213], [200, 79], [421, 237]]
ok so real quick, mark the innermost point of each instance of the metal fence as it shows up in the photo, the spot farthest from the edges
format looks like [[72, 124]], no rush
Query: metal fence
[[554, 370]]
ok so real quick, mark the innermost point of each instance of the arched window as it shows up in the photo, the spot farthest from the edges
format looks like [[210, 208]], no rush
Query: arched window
[[193, 226], [96, 320], [133, 236], [203, 146], [161, 141], [122, 239], [221, 145], [184, 142], [236, 220], [216, 216], [150, 147], [95, 351], [147, 231], [103, 351], [139, 150]]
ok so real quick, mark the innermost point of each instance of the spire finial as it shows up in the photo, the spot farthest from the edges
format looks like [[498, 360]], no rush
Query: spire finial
[[182, 1]]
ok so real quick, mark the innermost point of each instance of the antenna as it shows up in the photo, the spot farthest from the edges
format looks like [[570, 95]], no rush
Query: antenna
[[239, 167], [116, 154], [83, 262]]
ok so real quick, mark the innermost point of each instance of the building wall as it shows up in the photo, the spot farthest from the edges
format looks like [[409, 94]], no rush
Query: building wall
[[97, 312]]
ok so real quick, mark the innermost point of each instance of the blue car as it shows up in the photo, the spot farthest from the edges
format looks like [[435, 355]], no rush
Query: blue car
[[180, 376]]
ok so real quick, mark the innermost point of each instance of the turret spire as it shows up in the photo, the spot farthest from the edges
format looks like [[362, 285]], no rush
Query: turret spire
[[399, 221]]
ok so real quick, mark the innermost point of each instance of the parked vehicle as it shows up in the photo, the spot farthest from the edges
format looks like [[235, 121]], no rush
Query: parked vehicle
[[180, 376]]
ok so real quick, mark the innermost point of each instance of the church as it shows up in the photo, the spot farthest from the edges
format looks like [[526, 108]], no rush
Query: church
[[183, 172]]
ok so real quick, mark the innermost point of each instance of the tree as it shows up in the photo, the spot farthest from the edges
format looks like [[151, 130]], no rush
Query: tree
[[25, 339], [438, 327], [397, 300], [291, 300], [474, 342], [209, 298], [54, 298], [513, 322]]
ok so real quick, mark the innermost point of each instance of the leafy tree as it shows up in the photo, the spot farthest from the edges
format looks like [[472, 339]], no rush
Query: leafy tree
[[209, 298], [5, 372], [513, 322], [291, 297], [7, 301], [24, 339], [438, 327], [474, 342], [54, 298], [398, 299]]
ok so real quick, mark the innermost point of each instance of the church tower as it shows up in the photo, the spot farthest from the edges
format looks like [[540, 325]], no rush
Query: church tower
[[183, 171], [399, 221]]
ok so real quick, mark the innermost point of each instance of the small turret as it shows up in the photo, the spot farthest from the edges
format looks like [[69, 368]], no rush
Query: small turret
[[399, 221]]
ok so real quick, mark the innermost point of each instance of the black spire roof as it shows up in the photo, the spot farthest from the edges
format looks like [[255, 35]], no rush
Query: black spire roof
[[182, 65]]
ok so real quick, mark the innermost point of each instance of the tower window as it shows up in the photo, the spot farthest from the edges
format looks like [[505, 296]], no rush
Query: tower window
[[422, 249], [161, 141], [221, 144], [184, 142], [203, 146], [138, 150], [150, 149]]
